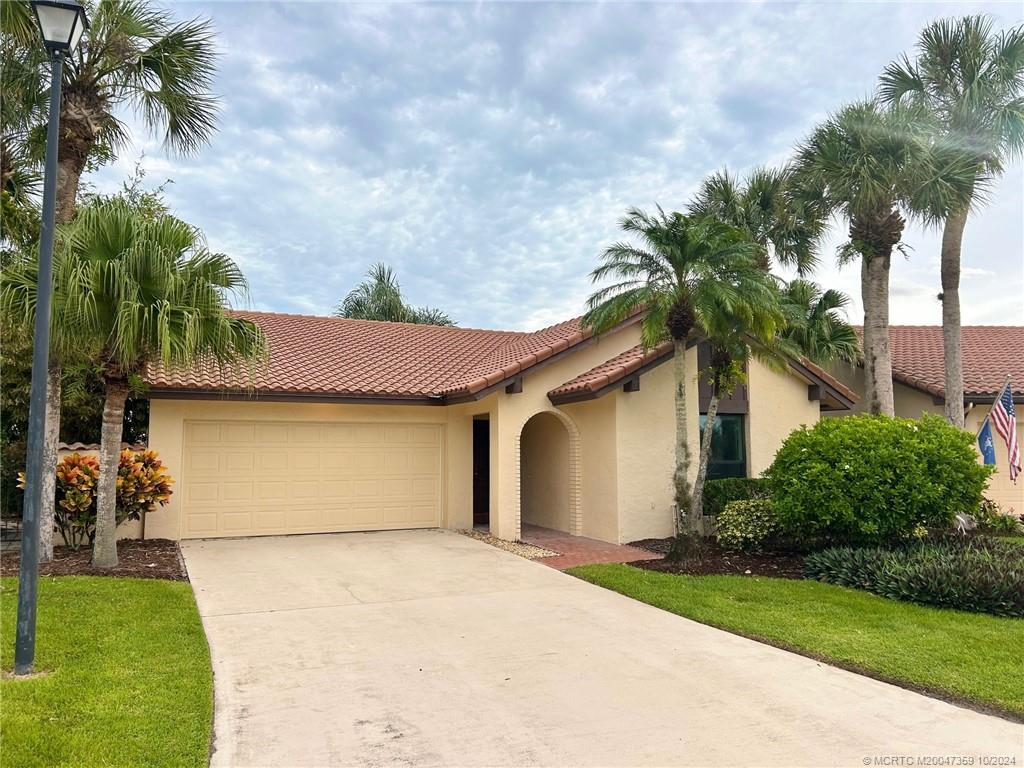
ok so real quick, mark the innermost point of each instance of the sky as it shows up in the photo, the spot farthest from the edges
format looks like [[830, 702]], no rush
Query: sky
[[486, 151]]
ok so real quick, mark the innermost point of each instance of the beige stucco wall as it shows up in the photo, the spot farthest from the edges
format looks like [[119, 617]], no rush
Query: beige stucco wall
[[545, 473], [778, 405], [909, 403], [912, 403], [645, 439], [600, 477]]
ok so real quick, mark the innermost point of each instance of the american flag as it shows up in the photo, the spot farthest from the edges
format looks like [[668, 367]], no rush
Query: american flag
[[1004, 418]]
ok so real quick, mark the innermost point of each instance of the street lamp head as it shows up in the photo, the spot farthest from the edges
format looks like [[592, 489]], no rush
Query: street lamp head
[[61, 24]]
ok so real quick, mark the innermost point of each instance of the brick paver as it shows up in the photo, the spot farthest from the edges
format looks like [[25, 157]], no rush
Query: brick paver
[[579, 550]]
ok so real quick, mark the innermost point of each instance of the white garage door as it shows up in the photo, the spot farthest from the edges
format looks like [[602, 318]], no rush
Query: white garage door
[[262, 478]]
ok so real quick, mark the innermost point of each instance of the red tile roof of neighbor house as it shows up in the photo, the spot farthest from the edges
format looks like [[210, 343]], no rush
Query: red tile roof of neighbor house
[[614, 371], [337, 357], [991, 352]]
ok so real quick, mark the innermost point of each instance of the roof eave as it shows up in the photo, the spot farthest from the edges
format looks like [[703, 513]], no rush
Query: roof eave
[[291, 397]]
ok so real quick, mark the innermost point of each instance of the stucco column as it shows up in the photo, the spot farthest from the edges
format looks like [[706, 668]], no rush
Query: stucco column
[[505, 459]]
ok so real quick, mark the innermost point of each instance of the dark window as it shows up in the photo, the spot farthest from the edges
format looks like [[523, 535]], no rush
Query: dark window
[[728, 446]]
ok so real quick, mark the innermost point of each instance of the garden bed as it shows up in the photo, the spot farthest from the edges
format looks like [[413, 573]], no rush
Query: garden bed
[[149, 559], [715, 561]]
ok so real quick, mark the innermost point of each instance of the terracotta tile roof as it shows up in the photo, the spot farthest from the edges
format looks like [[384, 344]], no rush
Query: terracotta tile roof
[[611, 371], [517, 354], [338, 357], [990, 353], [620, 367]]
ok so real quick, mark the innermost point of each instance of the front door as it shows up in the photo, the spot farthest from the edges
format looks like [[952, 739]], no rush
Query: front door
[[481, 472]]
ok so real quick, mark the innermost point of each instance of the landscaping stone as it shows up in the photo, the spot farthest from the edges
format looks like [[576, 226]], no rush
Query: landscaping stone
[[529, 551]]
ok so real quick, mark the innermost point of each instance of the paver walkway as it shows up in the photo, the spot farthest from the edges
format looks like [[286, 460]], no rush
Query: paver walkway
[[579, 550], [427, 648]]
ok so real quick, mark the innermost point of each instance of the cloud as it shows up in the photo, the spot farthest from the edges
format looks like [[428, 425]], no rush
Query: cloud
[[487, 151]]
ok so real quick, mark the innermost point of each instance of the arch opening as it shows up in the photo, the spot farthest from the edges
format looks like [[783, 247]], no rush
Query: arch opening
[[546, 474]]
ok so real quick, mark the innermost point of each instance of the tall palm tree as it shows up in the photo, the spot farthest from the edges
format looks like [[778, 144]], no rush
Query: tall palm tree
[[871, 166], [971, 81], [379, 297], [764, 205], [134, 55], [814, 324], [686, 274], [140, 289]]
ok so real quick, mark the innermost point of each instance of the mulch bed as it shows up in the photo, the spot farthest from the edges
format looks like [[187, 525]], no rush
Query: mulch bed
[[149, 559], [715, 561]]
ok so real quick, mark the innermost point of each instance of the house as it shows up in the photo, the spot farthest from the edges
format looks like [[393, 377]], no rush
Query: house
[[991, 353], [357, 425]]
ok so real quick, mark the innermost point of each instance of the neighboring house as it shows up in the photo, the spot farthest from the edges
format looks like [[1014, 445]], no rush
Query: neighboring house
[[990, 354], [356, 425]]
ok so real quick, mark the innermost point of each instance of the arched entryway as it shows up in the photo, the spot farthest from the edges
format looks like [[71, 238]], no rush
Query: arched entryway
[[548, 473]]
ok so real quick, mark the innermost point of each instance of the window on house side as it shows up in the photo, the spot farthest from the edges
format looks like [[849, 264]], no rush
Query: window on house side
[[728, 446]]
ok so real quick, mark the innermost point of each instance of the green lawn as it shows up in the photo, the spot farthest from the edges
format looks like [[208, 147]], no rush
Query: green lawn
[[127, 676], [961, 656]]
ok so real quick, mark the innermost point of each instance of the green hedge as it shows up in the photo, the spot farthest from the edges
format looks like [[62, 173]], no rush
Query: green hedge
[[718, 493], [979, 574], [874, 479]]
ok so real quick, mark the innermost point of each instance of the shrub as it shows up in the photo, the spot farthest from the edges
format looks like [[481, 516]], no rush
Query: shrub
[[991, 519], [142, 484], [748, 526], [75, 513], [718, 493], [874, 479], [970, 574]]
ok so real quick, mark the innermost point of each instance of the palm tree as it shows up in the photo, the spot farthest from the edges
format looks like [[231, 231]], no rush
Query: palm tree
[[736, 332], [134, 55], [871, 166], [814, 324], [139, 289], [379, 297], [686, 274], [971, 81], [765, 206]]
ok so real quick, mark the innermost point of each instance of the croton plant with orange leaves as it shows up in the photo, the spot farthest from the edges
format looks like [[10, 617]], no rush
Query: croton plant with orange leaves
[[142, 485]]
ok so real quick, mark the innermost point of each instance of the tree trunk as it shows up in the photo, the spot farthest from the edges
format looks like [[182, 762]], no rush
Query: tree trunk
[[867, 333], [952, 237], [82, 110], [682, 473], [49, 482], [697, 509], [68, 176], [104, 550], [878, 392]]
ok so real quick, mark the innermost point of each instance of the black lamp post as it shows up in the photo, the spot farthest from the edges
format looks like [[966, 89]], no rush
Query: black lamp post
[[61, 25]]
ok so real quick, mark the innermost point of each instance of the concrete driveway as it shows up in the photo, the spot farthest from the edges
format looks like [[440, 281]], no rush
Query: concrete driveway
[[420, 648]]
